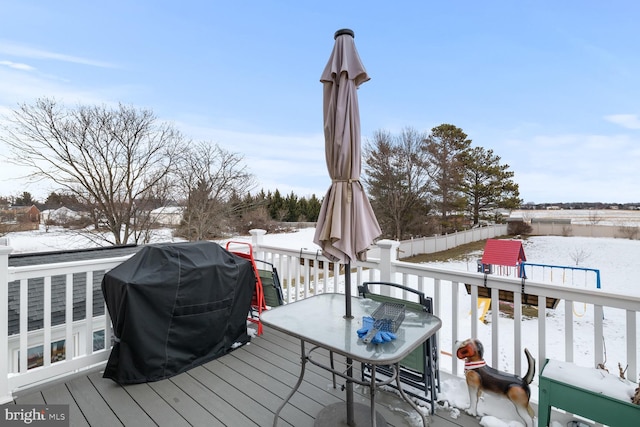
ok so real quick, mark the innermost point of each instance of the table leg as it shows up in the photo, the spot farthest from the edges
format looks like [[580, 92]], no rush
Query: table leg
[[404, 396], [372, 388], [333, 374], [349, 394], [303, 361], [349, 413]]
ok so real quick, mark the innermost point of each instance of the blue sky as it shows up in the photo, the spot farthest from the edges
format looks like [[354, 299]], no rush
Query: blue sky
[[552, 87]]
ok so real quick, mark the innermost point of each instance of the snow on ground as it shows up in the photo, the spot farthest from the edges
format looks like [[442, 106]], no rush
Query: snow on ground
[[58, 238], [615, 258], [616, 217]]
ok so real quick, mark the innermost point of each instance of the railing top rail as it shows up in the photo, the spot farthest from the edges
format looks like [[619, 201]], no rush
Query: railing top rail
[[591, 296], [568, 267], [59, 268]]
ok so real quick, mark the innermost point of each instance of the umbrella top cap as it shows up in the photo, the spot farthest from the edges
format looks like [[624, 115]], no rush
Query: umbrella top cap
[[343, 32]]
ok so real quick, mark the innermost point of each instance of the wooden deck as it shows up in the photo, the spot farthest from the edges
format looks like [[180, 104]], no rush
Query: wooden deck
[[243, 388]]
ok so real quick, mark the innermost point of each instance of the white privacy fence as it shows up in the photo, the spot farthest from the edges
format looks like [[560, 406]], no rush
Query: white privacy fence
[[587, 327], [439, 243]]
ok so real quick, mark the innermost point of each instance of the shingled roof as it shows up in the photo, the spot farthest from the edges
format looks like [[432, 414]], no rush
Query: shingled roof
[[503, 252], [58, 286]]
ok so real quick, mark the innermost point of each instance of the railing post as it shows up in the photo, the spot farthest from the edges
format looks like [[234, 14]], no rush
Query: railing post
[[256, 237], [388, 254], [5, 393], [632, 370]]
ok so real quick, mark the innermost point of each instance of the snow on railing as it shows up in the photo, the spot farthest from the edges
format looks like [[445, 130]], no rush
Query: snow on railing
[[583, 328]]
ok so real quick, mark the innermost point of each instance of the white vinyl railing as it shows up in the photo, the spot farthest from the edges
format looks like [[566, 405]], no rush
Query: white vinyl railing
[[33, 357], [582, 328]]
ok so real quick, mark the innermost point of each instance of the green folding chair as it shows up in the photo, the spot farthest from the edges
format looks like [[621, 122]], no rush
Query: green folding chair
[[420, 368], [271, 287]]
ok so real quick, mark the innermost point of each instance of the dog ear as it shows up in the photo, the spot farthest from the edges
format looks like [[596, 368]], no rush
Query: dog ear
[[479, 348]]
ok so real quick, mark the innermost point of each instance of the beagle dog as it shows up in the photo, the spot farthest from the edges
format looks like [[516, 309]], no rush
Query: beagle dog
[[481, 377]]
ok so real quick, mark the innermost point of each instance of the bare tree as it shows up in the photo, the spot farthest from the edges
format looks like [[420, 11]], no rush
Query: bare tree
[[116, 161], [629, 231], [578, 255], [210, 177], [396, 181], [594, 217]]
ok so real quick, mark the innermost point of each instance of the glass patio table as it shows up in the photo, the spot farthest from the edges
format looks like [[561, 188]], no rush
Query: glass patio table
[[320, 321]]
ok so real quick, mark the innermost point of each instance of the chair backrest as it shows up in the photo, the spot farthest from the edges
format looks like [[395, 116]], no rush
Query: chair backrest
[[423, 302], [422, 363], [416, 359], [270, 284]]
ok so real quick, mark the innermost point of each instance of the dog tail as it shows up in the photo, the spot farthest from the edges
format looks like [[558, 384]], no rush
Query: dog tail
[[531, 370]]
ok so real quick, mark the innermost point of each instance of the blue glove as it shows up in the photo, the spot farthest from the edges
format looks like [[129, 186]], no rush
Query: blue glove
[[379, 337], [383, 336], [388, 336], [367, 323]]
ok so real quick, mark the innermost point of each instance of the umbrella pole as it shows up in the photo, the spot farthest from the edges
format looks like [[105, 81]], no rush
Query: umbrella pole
[[347, 290], [348, 315]]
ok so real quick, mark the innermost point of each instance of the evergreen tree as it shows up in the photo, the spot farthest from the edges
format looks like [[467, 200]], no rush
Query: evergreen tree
[[444, 149], [57, 200], [487, 184], [26, 199], [312, 208], [293, 209], [277, 208], [302, 209]]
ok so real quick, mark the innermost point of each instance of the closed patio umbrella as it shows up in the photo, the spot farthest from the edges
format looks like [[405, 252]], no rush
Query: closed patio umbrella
[[346, 223]]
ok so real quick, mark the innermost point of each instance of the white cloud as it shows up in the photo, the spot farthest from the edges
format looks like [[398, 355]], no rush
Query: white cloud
[[284, 162], [17, 66], [17, 87], [629, 121], [575, 167], [23, 51]]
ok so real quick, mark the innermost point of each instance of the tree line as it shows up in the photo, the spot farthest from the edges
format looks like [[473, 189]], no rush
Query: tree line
[[117, 164], [265, 210], [421, 184]]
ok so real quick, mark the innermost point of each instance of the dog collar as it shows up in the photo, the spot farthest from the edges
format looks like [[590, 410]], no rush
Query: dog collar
[[474, 365]]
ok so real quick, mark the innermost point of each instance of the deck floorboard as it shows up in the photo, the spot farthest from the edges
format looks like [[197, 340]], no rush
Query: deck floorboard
[[121, 402], [152, 404], [59, 394], [242, 388], [92, 403]]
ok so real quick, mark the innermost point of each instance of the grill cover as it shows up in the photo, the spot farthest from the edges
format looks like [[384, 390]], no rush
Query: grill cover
[[174, 307]]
